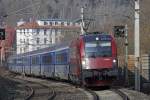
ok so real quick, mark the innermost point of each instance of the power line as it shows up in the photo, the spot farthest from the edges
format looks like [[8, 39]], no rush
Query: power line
[[17, 11]]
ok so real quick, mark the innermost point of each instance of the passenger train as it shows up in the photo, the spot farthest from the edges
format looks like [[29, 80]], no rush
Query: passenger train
[[89, 60]]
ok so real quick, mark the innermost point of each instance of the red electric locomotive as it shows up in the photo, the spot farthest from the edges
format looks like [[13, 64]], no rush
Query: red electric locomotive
[[93, 60]]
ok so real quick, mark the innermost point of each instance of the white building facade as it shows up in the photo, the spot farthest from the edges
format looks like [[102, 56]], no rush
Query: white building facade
[[39, 34]]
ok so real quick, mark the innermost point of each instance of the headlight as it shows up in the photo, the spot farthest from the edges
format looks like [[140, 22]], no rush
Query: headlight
[[114, 61], [83, 63]]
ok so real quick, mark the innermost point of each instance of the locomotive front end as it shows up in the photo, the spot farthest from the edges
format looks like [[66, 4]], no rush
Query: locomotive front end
[[99, 60]]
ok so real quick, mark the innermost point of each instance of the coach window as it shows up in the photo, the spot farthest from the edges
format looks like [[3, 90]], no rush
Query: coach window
[[25, 61], [19, 61], [35, 60], [61, 58], [47, 59], [58, 58]]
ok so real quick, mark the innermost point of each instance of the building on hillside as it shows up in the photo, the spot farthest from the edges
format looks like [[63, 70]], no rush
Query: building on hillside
[[37, 34]]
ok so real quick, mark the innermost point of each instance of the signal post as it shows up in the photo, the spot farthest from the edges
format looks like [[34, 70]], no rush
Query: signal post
[[126, 55]]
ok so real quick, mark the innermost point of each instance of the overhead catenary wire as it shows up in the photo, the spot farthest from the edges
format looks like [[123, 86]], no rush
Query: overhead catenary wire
[[19, 10]]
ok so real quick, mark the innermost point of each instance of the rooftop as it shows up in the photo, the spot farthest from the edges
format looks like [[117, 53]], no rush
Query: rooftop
[[35, 25], [67, 20]]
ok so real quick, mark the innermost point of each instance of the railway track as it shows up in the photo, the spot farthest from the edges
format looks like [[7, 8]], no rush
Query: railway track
[[59, 90], [112, 94], [40, 92], [123, 95], [46, 90], [33, 90], [94, 94]]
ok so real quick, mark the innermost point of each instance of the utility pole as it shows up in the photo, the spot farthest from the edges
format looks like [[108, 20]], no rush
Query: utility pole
[[82, 21], [137, 44], [126, 54]]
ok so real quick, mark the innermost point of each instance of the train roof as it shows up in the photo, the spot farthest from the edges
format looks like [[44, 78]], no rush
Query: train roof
[[51, 48]]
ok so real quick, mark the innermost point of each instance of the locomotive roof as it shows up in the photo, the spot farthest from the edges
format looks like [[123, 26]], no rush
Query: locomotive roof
[[100, 35], [95, 34]]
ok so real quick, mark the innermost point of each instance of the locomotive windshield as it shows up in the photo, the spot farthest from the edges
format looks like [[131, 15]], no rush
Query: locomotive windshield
[[98, 49]]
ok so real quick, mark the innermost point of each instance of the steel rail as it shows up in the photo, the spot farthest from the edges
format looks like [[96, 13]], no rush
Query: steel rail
[[94, 94], [31, 94], [123, 95], [52, 95]]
